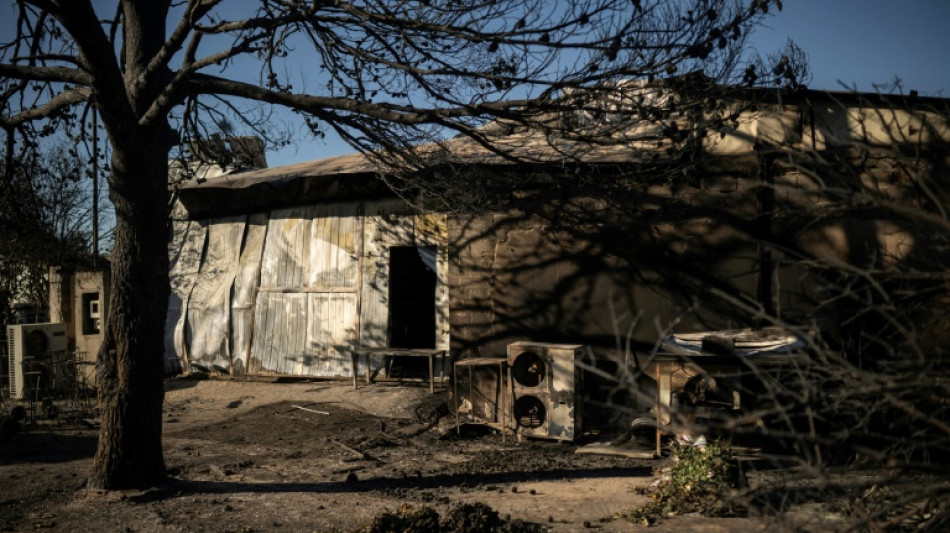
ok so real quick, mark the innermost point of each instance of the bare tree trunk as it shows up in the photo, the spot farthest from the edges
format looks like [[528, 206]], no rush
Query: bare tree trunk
[[130, 362]]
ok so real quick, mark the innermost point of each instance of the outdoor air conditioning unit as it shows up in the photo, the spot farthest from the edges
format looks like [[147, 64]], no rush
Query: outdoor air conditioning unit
[[31, 347], [546, 387]]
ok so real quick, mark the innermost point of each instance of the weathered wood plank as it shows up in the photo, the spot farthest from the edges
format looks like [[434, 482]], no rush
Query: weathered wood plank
[[309, 281], [330, 329], [280, 331], [386, 223], [431, 229], [317, 289]]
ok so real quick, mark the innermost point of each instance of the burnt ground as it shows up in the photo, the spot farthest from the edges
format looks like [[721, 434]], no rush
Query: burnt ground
[[322, 457]]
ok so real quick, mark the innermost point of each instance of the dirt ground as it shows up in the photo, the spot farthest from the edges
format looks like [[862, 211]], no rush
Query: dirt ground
[[321, 456]]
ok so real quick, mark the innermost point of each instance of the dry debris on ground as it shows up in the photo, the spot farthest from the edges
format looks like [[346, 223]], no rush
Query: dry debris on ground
[[322, 456]]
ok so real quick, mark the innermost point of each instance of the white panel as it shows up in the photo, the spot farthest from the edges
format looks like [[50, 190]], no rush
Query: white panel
[[249, 270], [330, 330], [241, 321], [432, 230], [209, 307], [287, 250], [298, 329], [333, 246], [245, 291], [188, 241], [385, 224], [184, 254], [209, 330], [224, 244], [280, 332]]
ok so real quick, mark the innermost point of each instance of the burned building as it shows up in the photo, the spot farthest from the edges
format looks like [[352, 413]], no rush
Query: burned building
[[79, 296], [611, 246]]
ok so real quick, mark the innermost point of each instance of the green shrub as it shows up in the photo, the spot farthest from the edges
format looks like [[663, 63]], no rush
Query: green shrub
[[698, 480]]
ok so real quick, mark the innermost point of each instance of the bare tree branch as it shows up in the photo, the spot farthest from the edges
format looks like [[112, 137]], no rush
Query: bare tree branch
[[54, 74], [57, 103]]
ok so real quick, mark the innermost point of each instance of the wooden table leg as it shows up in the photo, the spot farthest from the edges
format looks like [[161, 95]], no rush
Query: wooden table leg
[[511, 406], [369, 369], [431, 374], [501, 394], [354, 363], [659, 432], [445, 355]]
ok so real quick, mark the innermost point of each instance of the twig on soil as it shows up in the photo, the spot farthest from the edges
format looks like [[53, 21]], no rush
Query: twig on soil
[[600, 449], [310, 410], [364, 456]]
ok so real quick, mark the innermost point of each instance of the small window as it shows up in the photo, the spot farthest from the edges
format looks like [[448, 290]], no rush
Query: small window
[[91, 314]]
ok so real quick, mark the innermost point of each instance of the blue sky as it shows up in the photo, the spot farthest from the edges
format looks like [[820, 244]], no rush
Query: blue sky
[[867, 42], [860, 43]]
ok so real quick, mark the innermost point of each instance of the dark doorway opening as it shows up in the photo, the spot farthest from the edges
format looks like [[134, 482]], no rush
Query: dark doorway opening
[[412, 296], [91, 314]]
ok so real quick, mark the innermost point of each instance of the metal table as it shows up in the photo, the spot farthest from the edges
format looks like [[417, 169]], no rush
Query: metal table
[[731, 369], [431, 354]]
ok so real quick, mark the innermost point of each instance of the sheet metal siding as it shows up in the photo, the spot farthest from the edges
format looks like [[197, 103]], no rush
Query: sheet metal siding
[[431, 229], [187, 244], [332, 328], [280, 332], [286, 292], [246, 281], [172, 357], [209, 311], [287, 248], [242, 322], [306, 309], [333, 246], [304, 334]]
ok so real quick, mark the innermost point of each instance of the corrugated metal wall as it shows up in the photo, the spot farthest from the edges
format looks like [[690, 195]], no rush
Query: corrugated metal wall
[[246, 282], [287, 292], [185, 248], [306, 309], [207, 324]]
